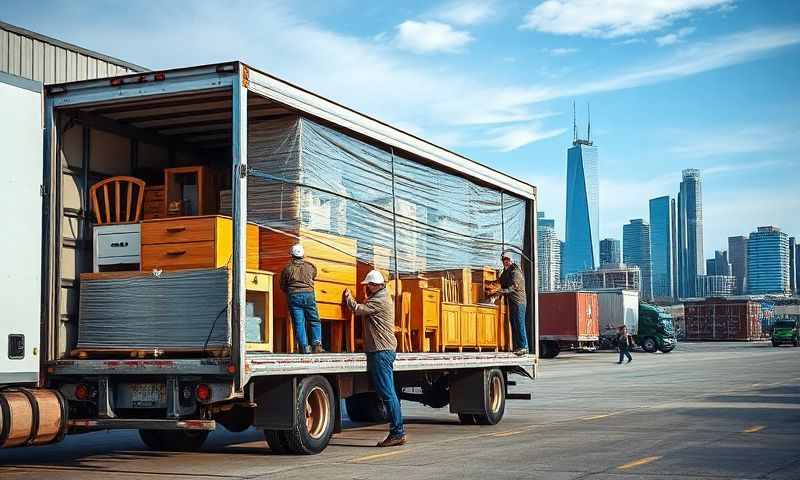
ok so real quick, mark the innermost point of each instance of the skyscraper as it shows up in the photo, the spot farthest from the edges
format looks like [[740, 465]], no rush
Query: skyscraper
[[661, 247], [796, 268], [792, 265], [610, 252], [768, 261], [583, 206], [549, 251], [690, 232], [711, 266], [721, 264], [673, 215], [636, 251], [737, 254]]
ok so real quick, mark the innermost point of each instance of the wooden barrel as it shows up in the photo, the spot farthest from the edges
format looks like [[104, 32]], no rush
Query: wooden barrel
[[31, 417]]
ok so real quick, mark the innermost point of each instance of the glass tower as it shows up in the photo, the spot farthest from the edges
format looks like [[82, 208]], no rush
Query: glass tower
[[583, 210], [690, 232], [661, 248], [610, 252], [737, 254], [636, 251], [549, 251], [768, 261]]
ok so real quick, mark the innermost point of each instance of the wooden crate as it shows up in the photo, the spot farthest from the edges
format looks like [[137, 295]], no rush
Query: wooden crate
[[153, 205]]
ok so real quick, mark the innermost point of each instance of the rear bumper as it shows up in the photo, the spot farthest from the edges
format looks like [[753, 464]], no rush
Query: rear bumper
[[146, 424]]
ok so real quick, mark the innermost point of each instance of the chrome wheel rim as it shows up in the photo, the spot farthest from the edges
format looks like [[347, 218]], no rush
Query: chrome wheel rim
[[317, 412], [495, 394]]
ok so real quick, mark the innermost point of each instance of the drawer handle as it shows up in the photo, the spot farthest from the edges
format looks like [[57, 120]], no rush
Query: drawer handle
[[255, 279], [325, 270], [175, 253], [176, 229], [119, 244], [323, 291]]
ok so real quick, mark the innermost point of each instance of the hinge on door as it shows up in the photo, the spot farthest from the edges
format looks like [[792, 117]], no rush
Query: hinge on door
[[42, 190]]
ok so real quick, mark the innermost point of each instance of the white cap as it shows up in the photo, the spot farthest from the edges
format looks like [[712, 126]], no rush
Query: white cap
[[298, 251], [374, 277]]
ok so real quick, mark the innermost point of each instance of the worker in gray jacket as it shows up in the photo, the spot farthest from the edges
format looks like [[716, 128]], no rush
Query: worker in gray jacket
[[512, 286], [380, 345], [297, 281]]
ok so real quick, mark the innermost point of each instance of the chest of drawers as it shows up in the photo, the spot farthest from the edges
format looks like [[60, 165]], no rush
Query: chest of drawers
[[117, 244], [193, 242]]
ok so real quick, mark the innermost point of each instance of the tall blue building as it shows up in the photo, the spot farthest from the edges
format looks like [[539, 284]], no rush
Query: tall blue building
[[690, 232], [662, 249], [768, 261], [583, 208], [549, 252], [610, 252], [636, 251]]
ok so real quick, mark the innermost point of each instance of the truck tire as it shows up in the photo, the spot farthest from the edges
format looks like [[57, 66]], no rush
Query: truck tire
[[276, 440], [174, 440], [495, 391], [549, 348], [315, 416], [775, 344], [649, 345], [467, 419], [366, 407]]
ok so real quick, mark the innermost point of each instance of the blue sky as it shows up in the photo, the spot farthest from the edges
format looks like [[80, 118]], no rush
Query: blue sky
[[708, 84]]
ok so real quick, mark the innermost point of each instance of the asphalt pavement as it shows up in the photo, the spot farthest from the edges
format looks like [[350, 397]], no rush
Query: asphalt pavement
[[704, 411]]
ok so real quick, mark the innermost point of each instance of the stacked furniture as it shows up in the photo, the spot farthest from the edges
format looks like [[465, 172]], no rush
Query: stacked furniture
[[117, 206], [335, 259]]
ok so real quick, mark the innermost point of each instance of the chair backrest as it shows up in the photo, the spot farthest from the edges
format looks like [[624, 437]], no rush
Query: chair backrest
[[117, 200]]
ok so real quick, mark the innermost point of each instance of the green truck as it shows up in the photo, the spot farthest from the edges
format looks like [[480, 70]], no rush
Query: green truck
[[656, 330], [786, 331]]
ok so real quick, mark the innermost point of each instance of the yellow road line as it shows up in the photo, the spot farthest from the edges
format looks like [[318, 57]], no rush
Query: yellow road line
[[636, 463], [378, 455], [505, 434], [754, 429], [595, 417]]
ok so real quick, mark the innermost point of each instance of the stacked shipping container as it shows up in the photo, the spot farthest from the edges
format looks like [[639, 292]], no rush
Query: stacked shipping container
[[722, 319]]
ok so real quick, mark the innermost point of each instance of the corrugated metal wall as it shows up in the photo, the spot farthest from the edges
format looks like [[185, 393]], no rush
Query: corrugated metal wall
[[36, 57]]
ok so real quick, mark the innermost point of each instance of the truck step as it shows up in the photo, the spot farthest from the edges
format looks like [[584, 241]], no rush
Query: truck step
[[518, 396]]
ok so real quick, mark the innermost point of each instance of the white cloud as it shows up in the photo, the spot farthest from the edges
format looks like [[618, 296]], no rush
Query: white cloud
[[611, 18], [674, 37], [466, 12], [430, 37], [506, 139], [561, 51], [731, 141]]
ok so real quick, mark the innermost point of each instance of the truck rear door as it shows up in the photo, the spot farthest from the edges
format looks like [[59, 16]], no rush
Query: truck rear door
[[21, 239]]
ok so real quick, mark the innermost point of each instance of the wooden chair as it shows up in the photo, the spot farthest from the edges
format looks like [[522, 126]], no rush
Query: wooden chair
[[402, 327], [129, 211]]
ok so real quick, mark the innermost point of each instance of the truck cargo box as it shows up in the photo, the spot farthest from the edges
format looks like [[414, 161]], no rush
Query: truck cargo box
[[722, 319], [568, 316], [617, 308]]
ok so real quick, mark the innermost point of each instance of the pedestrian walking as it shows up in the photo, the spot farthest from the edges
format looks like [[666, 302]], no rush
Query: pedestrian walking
[[624, 342], [380, 345], [297, 281]]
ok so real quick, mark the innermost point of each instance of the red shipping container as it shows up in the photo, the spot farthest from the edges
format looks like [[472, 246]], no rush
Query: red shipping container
[[722, 319], [568, 316]]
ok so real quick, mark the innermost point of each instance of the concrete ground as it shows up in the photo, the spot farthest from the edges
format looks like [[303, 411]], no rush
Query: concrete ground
[[706, 410]]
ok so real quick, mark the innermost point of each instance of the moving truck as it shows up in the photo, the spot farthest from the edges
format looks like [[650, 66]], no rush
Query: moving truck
[[112, 327], [656, 331], [567, 320]]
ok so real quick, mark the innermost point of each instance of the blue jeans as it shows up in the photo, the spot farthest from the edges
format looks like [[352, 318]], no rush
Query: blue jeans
[[303, 308], [518, 333], [625, 352], [380, 367]]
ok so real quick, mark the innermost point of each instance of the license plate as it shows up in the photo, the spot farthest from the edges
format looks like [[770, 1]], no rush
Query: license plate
[[148, 395]]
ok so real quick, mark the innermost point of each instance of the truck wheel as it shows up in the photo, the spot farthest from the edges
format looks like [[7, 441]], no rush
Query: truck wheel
[[314, 416], [649, 345], [366, 407], [549, 348], [467, 419], [495, 391], [174, 440], [775, 344], [276, 440]]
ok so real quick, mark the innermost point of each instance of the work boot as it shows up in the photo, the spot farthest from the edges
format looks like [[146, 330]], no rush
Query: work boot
[[520, 352], [307, 349], [317, 348], [392, 441]]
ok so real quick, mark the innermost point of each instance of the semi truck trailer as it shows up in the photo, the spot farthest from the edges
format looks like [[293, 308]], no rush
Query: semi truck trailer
[[568, 321], [75, 355]]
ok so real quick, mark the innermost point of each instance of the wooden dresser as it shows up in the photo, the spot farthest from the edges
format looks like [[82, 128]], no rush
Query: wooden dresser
[[450, 332], [425, 318], [335, 259], [488, 323], [193, 242]]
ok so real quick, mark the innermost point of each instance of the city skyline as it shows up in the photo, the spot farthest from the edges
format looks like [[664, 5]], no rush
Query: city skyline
[[708, 87], [581, 237]]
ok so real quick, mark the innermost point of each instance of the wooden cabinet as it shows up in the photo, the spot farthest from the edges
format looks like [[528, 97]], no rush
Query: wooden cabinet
[[189, 191], [334, 257], [425, 317], [154, 205], [469, 326], [193, 242], [450, 326], [487, 327], [259, 327]]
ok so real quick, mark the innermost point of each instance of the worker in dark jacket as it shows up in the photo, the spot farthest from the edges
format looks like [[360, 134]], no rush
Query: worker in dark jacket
[[624, 342], [297, 281], [380, 345], [512, 286]]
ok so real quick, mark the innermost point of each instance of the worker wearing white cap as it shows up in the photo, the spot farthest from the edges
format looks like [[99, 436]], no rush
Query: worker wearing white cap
[[297, 281], [380, 345], [512, 286]]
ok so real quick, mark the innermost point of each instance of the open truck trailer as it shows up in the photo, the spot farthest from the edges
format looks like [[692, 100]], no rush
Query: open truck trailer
[[166, 204]]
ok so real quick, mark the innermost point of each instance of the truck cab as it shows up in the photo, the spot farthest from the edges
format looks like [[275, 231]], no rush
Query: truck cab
[[656, 330], [786, 331]]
